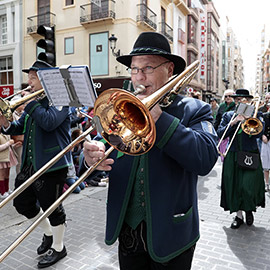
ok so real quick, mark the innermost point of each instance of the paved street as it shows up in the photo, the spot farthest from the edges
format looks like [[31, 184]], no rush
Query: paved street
[[218, 248]]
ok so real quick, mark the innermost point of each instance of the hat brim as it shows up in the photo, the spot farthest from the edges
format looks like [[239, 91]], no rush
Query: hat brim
[[179, 62], [27, 70], [243, 96]]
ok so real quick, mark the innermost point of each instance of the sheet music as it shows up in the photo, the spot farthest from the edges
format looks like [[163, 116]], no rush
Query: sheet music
[[56, 89]]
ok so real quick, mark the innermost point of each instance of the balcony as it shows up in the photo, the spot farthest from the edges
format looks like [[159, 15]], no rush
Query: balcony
[[93, 13], [146, 17], [181, 36], [33, 22], [166, 30]]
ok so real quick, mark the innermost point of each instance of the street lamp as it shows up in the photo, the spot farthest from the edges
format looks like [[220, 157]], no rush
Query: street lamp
[[226, 83], [112, 41]]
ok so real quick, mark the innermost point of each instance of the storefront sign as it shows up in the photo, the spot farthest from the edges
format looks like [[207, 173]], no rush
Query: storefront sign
[[6, 90]]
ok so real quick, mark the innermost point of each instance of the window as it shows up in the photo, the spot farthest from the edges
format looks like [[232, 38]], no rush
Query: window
[[69, 45], [6, 70], [3, 29], [69, 2]]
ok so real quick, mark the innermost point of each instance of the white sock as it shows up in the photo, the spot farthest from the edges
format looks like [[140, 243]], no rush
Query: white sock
[[44, 224], [58, 237], [239, 214]]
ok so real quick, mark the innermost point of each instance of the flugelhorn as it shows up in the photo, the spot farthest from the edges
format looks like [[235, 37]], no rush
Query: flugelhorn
[[8, 107], [124, 121]]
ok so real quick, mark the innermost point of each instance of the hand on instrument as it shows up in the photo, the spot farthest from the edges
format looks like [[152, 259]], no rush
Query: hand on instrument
[[237, 119], [94, 151]]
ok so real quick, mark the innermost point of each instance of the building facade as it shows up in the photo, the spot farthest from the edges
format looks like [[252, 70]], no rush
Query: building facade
[[10, 46]]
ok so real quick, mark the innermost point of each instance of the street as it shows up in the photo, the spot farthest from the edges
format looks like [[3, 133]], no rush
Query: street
[[219, 247]]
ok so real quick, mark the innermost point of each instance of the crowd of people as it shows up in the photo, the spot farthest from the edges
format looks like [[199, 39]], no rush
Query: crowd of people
[[152, 207]]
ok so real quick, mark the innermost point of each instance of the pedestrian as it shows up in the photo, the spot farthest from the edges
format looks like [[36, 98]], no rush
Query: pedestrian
[[7, 160], [152, 199], [228, 104], [242, 189], [18, 138], [46, 132], [265, 148], [265, 107], [214, 107]]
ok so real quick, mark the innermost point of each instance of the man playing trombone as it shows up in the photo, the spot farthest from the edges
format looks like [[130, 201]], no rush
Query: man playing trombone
[[242, 186], [46, 132], [152, 200]]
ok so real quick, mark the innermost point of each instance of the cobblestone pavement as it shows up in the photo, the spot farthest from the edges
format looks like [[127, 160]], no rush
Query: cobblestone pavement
[[218, 248]]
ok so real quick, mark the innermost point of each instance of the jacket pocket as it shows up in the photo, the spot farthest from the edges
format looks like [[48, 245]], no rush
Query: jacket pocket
[[177, 218]]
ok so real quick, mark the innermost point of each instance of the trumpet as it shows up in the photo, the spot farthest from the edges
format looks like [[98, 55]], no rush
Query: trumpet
[[8, 107], [124, 121]]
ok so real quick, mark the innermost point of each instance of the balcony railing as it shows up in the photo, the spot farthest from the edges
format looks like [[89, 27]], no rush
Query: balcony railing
[[146, 15], [166, 30], [181, 36], [92, 12], [33, 22]]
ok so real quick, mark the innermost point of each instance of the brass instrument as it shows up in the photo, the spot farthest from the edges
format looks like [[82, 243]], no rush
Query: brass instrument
[[251, 126], [8, 107], [124, 121]]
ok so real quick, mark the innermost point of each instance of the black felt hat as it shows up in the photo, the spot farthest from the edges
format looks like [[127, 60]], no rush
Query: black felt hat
[[152, 43], [242, 93], [37, 65]]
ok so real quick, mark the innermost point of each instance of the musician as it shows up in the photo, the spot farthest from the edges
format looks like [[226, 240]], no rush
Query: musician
[[46, 132], [242, 189], [152, 199]]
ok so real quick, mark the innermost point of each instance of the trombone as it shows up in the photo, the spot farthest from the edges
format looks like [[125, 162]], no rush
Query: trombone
[[125, 123], [251, 126]]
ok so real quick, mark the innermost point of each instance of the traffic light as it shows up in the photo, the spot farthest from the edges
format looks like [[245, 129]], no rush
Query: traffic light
[[47, 43]]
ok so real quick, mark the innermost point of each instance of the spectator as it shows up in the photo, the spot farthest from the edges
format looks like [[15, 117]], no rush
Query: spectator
[[214, 107]]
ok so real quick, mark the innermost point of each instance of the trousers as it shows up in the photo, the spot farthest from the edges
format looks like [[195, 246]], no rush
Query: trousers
[[43, 192], [133, 254]]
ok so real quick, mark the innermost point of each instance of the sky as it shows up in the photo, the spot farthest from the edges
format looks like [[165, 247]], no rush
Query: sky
[[247, 19]]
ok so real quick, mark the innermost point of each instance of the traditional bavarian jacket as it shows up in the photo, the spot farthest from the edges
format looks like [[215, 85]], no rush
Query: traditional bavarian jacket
[[46, 131], [185, 147]]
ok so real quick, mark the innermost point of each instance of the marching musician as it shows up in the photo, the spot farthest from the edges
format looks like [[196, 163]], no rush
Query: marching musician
[[46, 132], [242, 184], [152, 199]]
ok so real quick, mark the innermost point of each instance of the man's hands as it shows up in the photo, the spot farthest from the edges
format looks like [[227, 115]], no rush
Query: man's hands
[[237, 119], [94, 151]]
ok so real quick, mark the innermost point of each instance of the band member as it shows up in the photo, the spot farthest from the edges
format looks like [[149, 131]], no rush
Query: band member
[[242, 188], [152, 199], [46, 132]]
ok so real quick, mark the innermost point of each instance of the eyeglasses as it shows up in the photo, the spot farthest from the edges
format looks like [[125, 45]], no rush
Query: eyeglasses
[[227, 96], [145, 70]]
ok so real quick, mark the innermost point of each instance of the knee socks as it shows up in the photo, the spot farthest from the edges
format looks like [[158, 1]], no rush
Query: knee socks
[[44, 224], [58, 237]]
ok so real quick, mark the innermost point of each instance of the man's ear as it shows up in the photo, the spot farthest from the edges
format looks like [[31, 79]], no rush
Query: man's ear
[[171, 69]]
